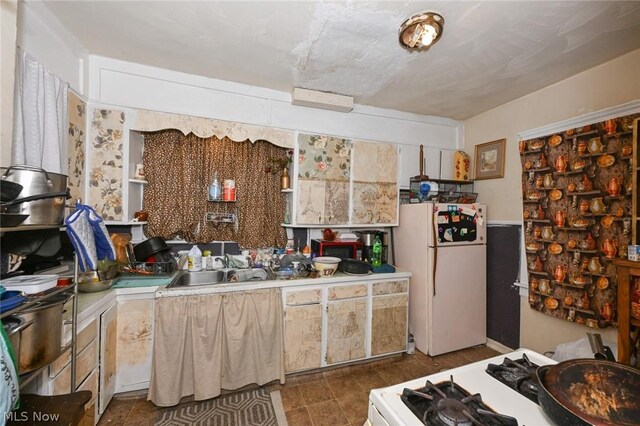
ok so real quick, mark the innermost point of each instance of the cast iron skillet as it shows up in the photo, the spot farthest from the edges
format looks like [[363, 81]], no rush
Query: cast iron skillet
[[590, 392]]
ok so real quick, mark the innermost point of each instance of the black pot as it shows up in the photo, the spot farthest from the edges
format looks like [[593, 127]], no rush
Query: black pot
[[355, 267], [12, 219], [148, 248], [566, 387], [9, 190]]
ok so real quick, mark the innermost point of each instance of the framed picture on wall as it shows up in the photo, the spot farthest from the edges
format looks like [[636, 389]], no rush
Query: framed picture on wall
[[489, 159]]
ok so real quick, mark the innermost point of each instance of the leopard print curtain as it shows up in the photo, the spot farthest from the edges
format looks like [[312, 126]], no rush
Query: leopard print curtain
[[180, 169]]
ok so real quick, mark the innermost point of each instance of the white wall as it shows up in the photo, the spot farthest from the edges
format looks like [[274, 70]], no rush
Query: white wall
[[8, 29], [127, 84], [613, 83], [42, 35]]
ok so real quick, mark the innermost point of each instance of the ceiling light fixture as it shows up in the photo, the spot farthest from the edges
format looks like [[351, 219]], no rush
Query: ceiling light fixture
[[421, 31]]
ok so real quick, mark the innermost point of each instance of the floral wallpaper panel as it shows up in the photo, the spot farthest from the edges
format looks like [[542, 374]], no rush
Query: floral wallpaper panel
[[105, 173], [324, 157], [387, 163], [76, 136]]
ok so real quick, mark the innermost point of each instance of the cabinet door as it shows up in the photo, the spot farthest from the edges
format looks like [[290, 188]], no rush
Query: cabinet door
[[311, 201], [346, 323], [389, 324], [302, 337], [336, 202], [386, 208], [108, 343], [134, 349], [364, 202]]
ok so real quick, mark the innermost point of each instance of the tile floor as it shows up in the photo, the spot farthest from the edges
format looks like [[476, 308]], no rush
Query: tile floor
[[333, 397]]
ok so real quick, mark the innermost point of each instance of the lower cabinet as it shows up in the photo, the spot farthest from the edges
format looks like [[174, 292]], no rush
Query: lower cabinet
[[302, 329], [338, 323], [389, 317], [134, 347], [346, 323], [108, 344]]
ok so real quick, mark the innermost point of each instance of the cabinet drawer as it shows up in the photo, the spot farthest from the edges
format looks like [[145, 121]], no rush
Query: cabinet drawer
[[91, 384], [303, 297], [347, 291], [390, 287], [87, 360], [85, 336]]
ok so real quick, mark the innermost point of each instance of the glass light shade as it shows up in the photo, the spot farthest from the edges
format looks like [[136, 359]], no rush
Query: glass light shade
[[421, 30]]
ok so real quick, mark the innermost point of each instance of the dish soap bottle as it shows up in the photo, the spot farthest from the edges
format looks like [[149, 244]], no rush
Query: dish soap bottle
[[214, 190], [194, 259], [376, 255]]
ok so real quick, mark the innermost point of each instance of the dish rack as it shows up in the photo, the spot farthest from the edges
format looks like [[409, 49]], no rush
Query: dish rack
[[143, 269]]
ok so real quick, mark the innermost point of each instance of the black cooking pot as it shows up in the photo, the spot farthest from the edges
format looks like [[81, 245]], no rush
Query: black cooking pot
[[590, 392], [148, 248], [9, 190]]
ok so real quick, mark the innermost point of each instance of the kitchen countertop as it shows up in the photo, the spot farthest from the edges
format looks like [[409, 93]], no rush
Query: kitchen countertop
[[253, 285], [91, 303]]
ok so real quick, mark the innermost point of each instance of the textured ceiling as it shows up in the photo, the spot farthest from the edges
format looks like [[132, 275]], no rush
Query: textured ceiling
[[490, 52]]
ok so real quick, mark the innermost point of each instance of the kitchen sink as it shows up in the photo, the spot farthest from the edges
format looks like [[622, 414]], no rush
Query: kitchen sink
[[219, 276]]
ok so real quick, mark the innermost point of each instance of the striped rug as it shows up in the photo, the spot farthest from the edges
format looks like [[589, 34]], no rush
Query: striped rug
[[255, 407]]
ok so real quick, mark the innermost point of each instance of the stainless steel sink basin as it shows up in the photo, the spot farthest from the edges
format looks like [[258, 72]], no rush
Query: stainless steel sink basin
[[199, 278], [219, 276]]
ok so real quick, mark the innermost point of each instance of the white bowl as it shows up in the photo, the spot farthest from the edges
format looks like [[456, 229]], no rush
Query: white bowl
[[326, 265]]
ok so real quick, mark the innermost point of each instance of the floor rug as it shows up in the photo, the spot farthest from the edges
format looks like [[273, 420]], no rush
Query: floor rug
[[256, 407]]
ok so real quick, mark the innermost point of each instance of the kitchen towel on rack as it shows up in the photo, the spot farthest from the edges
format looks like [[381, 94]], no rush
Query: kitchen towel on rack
[[89, 237], [104, 246], [80, 233]]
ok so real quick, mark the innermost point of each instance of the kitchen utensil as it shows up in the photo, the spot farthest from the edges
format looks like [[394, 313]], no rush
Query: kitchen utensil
[[148, 248], [590, 392], [13, 325], [354, 267], [41, 343], [30, 284], [599, 350], [9, 191], [36, 181], [12, 219], [326, 265], [95, 286]]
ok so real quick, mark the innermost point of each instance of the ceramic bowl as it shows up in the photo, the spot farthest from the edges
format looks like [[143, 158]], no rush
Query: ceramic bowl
[[326, 265]]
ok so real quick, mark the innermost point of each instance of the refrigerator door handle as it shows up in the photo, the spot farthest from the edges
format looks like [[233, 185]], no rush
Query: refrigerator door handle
[[435, 250]]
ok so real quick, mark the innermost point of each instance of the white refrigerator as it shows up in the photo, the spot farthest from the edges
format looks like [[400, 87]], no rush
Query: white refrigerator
[[444, 247]]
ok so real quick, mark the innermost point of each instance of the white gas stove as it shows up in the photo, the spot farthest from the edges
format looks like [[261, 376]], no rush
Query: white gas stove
[[386, 405]]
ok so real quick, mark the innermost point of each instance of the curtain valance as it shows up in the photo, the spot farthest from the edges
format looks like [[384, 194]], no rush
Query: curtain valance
[[151, 121]]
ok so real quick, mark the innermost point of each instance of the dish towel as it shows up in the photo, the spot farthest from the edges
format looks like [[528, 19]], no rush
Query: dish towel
[[89, 237], [9, 387]]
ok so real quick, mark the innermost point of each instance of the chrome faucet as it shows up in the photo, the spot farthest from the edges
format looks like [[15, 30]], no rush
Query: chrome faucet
[[225, 260]]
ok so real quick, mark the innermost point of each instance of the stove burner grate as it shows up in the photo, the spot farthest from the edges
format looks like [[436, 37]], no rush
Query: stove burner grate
[[519, 375], [447, 403]]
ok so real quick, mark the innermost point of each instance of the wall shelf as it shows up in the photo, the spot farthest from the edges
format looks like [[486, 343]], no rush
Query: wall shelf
[[140, 181]]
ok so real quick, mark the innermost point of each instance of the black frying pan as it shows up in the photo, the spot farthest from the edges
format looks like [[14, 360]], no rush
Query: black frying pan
[[9, 191], [590, 392]]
